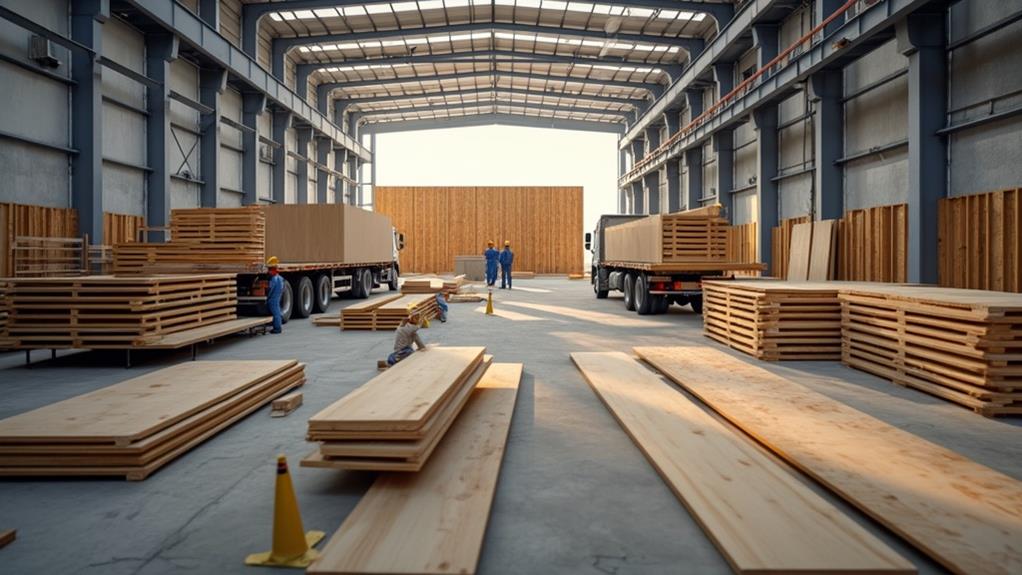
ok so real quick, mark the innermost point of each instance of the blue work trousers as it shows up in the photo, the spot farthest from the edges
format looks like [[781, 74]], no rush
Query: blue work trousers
[[274, 306], [505, 276], [491, 273], [399, 355]]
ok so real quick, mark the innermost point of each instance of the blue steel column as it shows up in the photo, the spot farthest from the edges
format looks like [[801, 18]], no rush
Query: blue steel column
[[323, 145], [352, 195], [694, 156], [622, 195], [921, 37], [161, 50], [209, 11], [303, 135], [828, 142], [824, 8], [672, 117], [340, 158], [638, 198], [652, 179], [724, 142], [764, 37], [87, 20], [281, 123], [252, 106], [372, 173], [212, 83], [766, 170]]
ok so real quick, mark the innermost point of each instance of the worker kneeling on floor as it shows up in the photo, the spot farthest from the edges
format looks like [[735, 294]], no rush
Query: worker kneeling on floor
[[273, 294], [407, 334], [441, 305]]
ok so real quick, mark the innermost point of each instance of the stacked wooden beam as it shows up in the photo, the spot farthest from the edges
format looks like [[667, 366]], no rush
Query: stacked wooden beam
[[961, 345], [133, 428], [362, 315], [387, 313], [774, 320], [695, 237], [445, 285], [114, 312], [396, 420]]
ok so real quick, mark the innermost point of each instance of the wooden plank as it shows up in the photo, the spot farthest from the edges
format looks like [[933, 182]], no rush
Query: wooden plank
[[801, 248], [433, 522], [964, 515], [7, 536], [404, 396], [823, 253], [734, 490], [285, 405], [978, 241]]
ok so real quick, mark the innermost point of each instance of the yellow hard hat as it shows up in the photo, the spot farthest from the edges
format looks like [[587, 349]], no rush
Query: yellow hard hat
[[489, 243], [272, 262], [507, 242]]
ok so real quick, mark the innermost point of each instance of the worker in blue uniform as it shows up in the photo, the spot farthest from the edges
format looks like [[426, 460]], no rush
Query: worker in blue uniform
[[492, 258], [507, 257], [273, 294]]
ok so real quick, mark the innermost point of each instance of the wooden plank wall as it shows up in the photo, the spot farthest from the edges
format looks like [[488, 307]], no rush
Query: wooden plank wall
[[33, 221], [741, 245], [873, 244], [544, 225], [980, 241], [120, 228], [780, 245]]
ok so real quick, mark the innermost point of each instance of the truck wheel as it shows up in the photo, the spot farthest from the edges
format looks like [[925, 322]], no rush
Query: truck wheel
[[629, 292], [643, 299], [597, 279], [697, 303], [661, 304], [287, 301], [304, 296], [363, 284], [392, 284], [324, 292]]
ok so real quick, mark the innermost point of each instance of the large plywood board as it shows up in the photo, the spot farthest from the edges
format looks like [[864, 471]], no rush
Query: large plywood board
[[635, 241], [964, 515], [433, 521], [734, 490], [801, 247], [823, 254], [318, 233]]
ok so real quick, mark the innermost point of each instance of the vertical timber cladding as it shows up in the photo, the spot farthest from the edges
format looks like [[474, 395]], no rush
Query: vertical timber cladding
[[543, 224], [32, 221], [980, 241]]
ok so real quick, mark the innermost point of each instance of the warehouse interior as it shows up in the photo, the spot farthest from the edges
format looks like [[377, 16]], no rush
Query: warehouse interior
[[790, 342]]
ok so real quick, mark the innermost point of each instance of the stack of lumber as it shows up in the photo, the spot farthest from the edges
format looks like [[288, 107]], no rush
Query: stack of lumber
[[3, 311], [962, 514], [362, 315], [446, 505], [961, 345], [395, 421], [695, 236], [387, 313], [133, 428], [734, 490], [114, 312], [774, 320], [433, 285], [43, 257]]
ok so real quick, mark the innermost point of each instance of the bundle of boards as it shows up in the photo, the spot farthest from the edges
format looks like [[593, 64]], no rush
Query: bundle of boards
[[697, 236], [114, 312], [433, 285], [396, 420], [133, 428], [386, 313]]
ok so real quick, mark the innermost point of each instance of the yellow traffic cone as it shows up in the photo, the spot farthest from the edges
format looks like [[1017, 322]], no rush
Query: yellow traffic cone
[[292, 547], [489, 303]]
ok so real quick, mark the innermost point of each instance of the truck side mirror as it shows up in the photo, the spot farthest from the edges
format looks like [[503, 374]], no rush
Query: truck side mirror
[[589, 240], [400, 242]]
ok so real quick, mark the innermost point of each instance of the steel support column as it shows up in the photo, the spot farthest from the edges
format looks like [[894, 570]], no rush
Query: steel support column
[[352, 196], [724, 76], [161, 50], [340, 159], [765, 118], [209, 11], [252, 107], [281, 123], [622, 194], [303, 135], [212, 83], [372, 173], [694, 156], [652, 179], [638, 199], [672, 170], [824, 8], [764, 37], [87, 18], [828, 142], [921, 38], [323, 146], [724, 148]]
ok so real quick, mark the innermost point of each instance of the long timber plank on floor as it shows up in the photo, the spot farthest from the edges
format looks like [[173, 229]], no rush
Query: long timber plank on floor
[[433, 522], [736, 492], [964, 515]]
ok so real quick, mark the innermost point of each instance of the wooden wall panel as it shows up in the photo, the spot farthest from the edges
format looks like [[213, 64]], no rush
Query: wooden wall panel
[[741, 245], [120, 228], [543, 224], [873, 244], [780, 245], [980, 241], [32, 221]]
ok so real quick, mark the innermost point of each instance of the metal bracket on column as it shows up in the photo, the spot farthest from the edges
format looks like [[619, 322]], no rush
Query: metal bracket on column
[[694, 99], [765, 39], [212, 83], [253, 105], [724, 76]]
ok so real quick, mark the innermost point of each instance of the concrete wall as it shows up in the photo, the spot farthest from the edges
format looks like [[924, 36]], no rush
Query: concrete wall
[[124, 127], [795, 156], [230, 159], [183, 149]]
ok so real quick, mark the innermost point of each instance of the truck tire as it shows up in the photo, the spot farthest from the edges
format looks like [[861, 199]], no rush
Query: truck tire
[[304, 296], [362, 284], [697, 303], [324, 292], [393, 283], [661, 304], [629, 291], [643, 299], [599, 277], [287, 301]]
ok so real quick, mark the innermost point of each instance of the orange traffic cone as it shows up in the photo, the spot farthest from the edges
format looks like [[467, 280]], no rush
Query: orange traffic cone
[[292, 547], [489, 303]]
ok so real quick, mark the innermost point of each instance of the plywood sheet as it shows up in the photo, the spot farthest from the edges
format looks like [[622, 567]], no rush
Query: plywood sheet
[[823, 253], [433, 521], [964, 515], [801, 247], [733, 489], [327, 233]]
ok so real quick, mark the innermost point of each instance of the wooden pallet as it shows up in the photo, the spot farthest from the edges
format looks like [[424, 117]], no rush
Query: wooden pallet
[[962, 345], [387, 314], [133, 428]]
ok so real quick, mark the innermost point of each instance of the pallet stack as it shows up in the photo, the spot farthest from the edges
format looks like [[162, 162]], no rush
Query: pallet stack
[[774, 320], [363, 315], [396, 420], [962, 345], [114, 312], [387, 313], [133, 428], [433, 285]]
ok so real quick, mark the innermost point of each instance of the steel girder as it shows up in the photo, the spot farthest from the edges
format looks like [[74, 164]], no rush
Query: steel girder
[[471, 120]]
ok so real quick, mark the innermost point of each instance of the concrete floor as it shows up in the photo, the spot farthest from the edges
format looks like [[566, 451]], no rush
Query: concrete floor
[[575, 495]]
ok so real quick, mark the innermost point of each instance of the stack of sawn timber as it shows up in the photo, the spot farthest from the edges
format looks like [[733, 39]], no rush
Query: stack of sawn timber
[[362, 315], [114, 312], [433, 285], [962, 345], [694, 236], [387, 313], [396, 420], [133, 428]]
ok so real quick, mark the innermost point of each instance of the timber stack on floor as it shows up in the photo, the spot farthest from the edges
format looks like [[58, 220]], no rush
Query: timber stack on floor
[[133, 428], [433, 285], [387, 313], [961, 345], [396, 420], [114, 312]]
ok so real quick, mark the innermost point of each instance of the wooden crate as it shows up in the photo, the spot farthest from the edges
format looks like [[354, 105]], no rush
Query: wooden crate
[[961, 345], [980, 241]]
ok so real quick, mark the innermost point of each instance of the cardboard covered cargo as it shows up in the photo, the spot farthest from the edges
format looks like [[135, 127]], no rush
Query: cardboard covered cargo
[[694, 236], [321, 233]]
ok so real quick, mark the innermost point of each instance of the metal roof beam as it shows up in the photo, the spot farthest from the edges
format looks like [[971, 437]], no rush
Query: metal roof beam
[[634, 102], [471, 120], [324, 90], [281, 46], [519, 105]]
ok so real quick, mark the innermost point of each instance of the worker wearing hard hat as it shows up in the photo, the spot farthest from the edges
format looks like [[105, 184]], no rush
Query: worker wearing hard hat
[[507, 257], [273, 294], [492, 258]]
